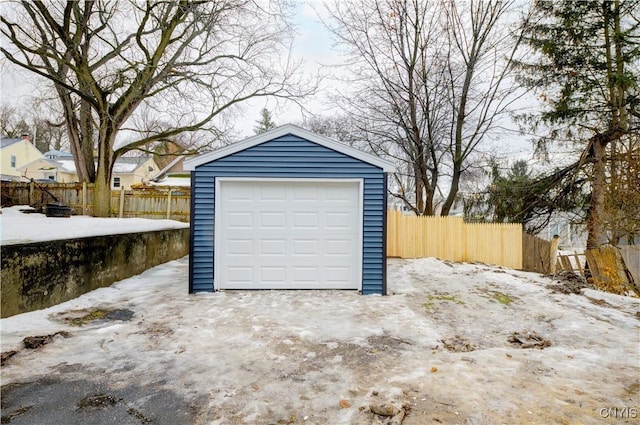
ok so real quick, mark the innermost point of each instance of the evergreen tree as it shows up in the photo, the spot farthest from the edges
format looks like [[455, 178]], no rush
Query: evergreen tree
[[585, 68], [265, 123], [521, 197]]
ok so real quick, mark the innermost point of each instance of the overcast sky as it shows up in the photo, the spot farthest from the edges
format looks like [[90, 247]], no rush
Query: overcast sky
[[313, 45]]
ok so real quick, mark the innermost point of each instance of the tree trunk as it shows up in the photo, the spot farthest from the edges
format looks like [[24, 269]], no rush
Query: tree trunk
[[102, 194], [102, 188], [451, 197], [419, 189], [596, 235], [80, 136]]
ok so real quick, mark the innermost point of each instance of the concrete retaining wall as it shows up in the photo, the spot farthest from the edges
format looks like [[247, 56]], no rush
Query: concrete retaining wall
[[41, 274]]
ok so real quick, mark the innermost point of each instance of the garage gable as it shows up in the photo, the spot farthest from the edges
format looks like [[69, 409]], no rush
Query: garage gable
[[284, 130], [287, 213]]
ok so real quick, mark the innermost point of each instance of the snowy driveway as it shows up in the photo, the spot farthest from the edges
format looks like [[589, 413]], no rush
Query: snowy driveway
[[145, 352]]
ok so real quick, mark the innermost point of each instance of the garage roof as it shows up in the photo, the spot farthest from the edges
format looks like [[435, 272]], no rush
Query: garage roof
[[277, 132]]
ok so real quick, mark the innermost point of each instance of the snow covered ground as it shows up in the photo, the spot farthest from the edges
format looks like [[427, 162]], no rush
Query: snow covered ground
[[18, 227], [438, 344]]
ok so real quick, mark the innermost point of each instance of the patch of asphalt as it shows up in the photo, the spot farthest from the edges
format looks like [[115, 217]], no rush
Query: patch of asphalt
[[54, 400]]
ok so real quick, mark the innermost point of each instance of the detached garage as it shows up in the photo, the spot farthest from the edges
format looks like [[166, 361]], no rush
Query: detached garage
[[288, 209]]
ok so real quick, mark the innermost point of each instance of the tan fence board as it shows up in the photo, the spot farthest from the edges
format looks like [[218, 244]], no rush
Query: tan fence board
[[450, 238]]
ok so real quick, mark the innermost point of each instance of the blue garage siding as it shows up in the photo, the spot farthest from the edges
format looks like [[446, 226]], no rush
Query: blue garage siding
[[287, 157]]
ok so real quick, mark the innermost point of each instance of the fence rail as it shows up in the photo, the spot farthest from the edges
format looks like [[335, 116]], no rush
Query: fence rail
[[450, 238]]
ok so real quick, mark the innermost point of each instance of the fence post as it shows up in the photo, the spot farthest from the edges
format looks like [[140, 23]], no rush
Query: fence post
[[121, 202], [553, 254], [169, 204], [32, 193], [84, 197]]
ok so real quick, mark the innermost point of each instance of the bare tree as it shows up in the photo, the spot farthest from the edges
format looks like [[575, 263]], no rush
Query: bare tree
[[45, 134], [189, 61], [10, 123], [336, 127], [431, 80]]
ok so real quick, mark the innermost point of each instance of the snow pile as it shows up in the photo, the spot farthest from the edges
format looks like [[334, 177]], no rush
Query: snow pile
[[18, 227]]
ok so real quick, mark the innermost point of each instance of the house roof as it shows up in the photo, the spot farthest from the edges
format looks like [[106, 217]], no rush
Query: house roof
[[58, 154], [166, 169], [129, 164], [6, 141], [123, 165], [67, 166], [172, 181], [277, 132]]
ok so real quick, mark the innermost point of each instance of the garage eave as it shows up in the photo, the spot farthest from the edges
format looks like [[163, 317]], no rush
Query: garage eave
[[386, 166]]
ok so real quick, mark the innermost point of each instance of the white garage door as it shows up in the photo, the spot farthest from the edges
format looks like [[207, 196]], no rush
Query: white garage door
[[288, 234]]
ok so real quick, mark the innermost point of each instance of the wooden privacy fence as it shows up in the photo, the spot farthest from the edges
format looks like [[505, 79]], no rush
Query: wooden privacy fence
[[613, 269], [631, 256], [154, 202], [609, 268], [79, 196], [450, 238], [170, 204]]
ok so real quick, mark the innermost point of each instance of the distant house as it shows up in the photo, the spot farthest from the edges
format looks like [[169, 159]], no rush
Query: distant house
[[14, 153], [128, 171], [56, 154], [59, 167], [61, 170], [173, 174], [573, 236]]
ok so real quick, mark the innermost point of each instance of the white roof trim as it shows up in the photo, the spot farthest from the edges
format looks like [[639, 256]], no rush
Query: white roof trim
[[165, 169], [192, 163], [51, 162]]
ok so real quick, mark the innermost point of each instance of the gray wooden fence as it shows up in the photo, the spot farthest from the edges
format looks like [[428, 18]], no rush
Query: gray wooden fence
[[631, 256], [148, 202]]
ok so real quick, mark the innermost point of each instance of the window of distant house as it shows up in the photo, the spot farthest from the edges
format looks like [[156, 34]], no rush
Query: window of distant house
[[13, 161], [116, 182]]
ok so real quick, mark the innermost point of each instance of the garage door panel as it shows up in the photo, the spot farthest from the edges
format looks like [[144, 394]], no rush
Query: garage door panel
[[302, 274], [273, 247], [341, 194], [305, 220], [339, 220], [338, 274], [242, 247], [289, 234], [271, 274], [241, 193], [272, 193], [239, 274], [339, 247], [273, 220], [301, 193], [239, 220], [305, 247]]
